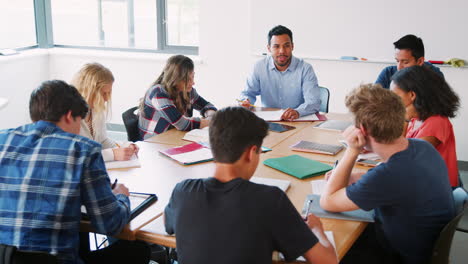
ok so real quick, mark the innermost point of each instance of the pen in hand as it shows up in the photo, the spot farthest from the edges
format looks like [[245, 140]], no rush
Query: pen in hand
[[309, 203], [336, 164], [114, 184]]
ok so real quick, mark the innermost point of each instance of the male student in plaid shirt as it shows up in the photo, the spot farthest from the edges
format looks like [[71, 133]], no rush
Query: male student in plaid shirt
[[47, 171]]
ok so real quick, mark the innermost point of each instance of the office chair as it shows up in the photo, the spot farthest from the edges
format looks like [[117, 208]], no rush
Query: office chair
[[324, 98], [130, 120], [11, 255], [441, 251], [460, 197]]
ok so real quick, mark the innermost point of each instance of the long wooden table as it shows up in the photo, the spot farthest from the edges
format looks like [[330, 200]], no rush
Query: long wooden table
[[159, 174]]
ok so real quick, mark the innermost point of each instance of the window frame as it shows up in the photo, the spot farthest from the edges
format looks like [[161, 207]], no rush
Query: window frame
[[45, 39]]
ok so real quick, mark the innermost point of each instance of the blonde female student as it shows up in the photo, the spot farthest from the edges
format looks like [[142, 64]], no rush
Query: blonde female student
[[94, 82], [170, 101]]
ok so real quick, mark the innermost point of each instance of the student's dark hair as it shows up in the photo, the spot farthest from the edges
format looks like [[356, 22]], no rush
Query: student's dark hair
[[232, 131], [412, 43], [53, 99], [279, 30], [433, 95]]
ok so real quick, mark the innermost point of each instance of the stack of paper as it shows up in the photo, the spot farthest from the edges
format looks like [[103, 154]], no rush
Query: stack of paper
[[276, 116]]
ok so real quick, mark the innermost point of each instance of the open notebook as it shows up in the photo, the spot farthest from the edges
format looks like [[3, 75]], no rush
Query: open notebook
[[189, 154]]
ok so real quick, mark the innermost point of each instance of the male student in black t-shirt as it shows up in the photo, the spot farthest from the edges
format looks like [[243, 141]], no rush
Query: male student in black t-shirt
[[227, 218]]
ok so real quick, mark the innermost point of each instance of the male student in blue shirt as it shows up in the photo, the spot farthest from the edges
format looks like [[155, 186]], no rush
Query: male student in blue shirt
[[228, 219], [47, 172], [282, 80], [409, 51], [409, 191]]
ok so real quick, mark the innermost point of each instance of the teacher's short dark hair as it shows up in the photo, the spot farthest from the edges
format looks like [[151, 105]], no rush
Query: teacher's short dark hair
[[411, 43], [279, 30], [233, 130], [53, 99]]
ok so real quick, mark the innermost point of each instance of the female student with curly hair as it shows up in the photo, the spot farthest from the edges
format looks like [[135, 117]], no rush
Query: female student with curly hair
[[429, 102], [170, 101], [94, 82]]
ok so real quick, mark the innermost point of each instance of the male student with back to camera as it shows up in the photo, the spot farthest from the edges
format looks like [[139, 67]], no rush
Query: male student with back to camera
[[409, 51], [47, 171], [409, 191], [227, 218], [282, 80]]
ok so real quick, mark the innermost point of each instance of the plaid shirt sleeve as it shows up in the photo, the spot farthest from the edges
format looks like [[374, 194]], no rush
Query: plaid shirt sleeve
[[166, 108], [109, 213], [200, 104]]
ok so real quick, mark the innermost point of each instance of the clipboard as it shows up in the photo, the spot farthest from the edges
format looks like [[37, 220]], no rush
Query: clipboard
[[138, 203]]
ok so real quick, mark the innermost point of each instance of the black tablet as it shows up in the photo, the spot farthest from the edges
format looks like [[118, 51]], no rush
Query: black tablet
[[275, 127]]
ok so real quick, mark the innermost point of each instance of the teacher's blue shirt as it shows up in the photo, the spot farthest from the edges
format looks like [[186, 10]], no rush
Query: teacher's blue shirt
[[296, 87]]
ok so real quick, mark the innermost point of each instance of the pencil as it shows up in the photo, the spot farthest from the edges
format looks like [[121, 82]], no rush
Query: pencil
[[240, 101]]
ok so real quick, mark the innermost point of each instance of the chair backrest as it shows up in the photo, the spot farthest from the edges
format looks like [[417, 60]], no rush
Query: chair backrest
[[441, 251], [325, 98], [130, 120], [11, 255]]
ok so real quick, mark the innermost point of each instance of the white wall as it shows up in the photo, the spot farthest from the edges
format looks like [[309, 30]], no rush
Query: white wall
[[224, 60], [19, 75]]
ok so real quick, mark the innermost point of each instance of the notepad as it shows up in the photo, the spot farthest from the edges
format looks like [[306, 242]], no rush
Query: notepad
[[356, 215], [134, 162], [298, 166], [314, 147], [189, 154], [337, 125], [282, 184], [138, 203]]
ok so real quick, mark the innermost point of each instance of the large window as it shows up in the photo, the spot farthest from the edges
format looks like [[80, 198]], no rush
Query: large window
[[158, 25], [17, 26], [133, 24], [182, 22], [105, 23]]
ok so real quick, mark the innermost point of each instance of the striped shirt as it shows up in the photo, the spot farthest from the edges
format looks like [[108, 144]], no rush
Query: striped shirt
[[46, 174], [160, 113]]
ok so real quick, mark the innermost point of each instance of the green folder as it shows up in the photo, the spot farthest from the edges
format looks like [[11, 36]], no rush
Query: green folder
[[298, 166]]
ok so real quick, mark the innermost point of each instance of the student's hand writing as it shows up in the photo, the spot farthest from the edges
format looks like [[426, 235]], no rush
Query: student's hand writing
[[120, 189], [354, 138], [135, 148], [290, 114], [123, 153], [204, 123], [314, 222]]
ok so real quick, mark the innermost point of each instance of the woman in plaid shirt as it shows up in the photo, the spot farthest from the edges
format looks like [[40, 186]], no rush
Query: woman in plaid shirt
[[170, 101]]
